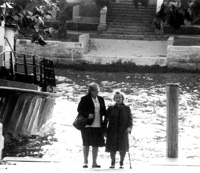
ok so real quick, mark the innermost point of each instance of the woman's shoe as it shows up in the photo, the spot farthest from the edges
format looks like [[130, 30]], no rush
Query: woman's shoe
[[85, 165], [121, 165], [112, 166], [94, 165]]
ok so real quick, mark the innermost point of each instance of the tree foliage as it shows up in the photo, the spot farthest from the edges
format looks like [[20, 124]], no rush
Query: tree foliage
[[178, 14], [29, 15], [195, 12], [102, 3]]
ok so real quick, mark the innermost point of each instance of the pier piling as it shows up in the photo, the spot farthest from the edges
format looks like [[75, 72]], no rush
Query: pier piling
[[1, 140], [172, 120]]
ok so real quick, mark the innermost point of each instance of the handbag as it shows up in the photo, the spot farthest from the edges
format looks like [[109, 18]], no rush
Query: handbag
[[80, 122]]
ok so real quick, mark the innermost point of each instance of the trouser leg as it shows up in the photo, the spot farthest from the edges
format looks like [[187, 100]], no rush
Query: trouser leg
[[85, 153], [122, 156], [94, 154], [112, 156]]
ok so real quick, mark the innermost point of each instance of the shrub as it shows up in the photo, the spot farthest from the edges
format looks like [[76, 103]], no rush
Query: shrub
[[195, 10], [102, 3]]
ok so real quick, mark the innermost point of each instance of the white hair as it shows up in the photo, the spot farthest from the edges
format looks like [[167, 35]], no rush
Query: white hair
[[93, 86]]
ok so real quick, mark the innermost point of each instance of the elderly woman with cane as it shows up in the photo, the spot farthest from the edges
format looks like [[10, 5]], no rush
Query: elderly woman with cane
[[92, 107], [119, 125]]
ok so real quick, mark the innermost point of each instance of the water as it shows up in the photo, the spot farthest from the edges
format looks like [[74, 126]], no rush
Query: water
[[145, 94]]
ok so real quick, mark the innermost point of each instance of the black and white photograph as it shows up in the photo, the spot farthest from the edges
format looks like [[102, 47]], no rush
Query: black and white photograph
[[99, 86]]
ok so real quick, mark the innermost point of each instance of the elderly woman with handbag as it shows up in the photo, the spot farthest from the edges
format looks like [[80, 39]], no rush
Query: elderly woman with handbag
[[119, 125], [92, 107]]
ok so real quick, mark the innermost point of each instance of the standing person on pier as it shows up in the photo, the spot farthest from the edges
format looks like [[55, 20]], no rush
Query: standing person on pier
[[93, 107], [119, 125]]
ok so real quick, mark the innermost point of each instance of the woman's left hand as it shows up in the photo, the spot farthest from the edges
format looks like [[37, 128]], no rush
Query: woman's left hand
[[129, 130]]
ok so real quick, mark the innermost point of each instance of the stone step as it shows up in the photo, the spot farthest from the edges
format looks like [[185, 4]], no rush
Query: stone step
[[130, 26], [129, 12], [134, 37], [130, 5], [132, 8], [129, 33], [140, 23], [130, 16], [126, 1], [126, 14], [122, 32], [125, 18], [130, 20], [136, 29], [131, 1]]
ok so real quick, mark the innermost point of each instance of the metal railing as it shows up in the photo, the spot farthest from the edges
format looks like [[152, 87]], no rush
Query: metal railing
[[28, 68]]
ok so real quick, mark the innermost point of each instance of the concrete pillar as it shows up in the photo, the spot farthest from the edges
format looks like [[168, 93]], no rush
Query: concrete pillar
[[76, 13], [158, 5], [102, 23], [1, 140]]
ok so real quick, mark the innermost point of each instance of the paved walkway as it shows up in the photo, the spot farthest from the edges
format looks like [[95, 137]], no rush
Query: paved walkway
[[44, 168], [166, 165]]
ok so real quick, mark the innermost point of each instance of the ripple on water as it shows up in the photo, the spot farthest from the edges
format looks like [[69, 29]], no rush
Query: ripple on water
[[146, 95]]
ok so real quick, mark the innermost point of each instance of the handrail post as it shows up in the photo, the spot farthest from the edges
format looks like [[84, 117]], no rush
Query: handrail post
[[53, 74], [11, 65], [72, 54], [34, 71], [25, 66], [1, 140], [47, 72], [41, 69], [172, 120], [45, 77]]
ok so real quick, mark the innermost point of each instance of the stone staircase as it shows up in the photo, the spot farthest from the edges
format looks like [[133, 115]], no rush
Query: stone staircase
[[126, 22]]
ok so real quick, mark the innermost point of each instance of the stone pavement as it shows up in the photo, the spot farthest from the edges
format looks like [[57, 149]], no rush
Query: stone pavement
[[65, 168], [166, 165]]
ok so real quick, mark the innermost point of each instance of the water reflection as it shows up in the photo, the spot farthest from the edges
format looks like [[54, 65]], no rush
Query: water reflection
[[146, 95]]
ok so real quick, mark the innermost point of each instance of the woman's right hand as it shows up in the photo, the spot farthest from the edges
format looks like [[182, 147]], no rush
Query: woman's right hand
[[90, 116]]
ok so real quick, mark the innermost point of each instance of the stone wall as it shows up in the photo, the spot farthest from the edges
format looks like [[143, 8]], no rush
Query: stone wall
[[183, 57], [53, 49], [56, 50]]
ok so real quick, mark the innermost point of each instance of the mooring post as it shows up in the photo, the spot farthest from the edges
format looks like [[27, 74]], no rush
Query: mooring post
[[172, 120], [1, 140]]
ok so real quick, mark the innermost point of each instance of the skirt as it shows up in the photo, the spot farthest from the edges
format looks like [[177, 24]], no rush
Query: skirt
[[93, 137]]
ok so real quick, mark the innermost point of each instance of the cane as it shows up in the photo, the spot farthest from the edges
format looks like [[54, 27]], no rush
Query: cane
[[128, 151]]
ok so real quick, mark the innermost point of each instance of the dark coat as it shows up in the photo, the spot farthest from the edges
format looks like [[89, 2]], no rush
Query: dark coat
[[86, 107], [119, 119]]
